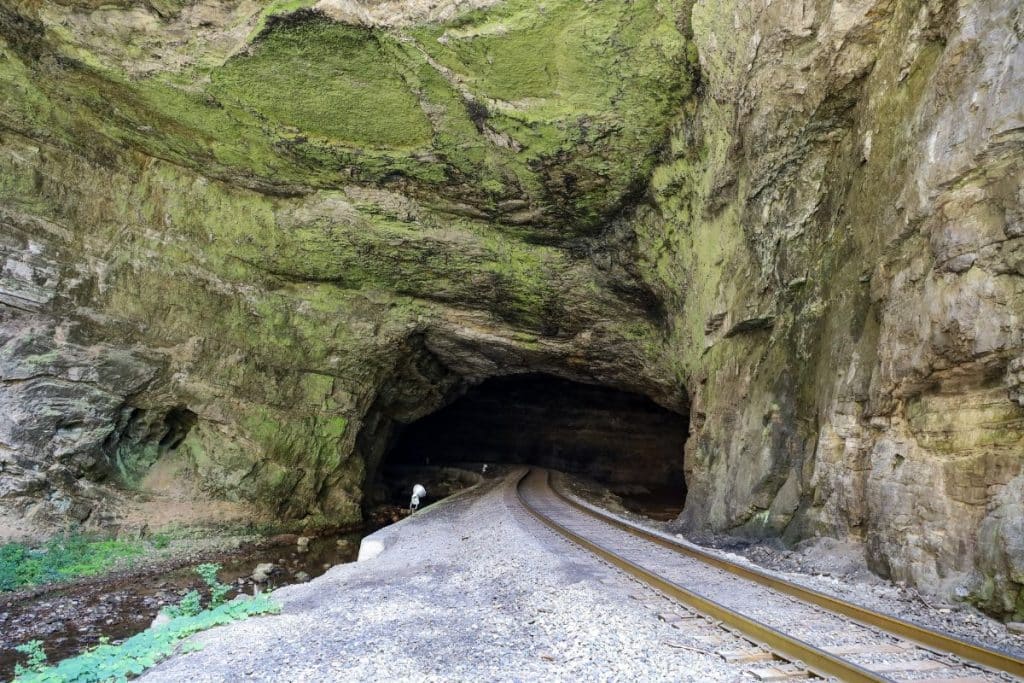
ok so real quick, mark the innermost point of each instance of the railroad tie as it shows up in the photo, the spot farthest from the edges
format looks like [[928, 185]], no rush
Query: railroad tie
[[867, 649], [712, 640], [746, 656], [781, 672], [916, 666], [673, 618]]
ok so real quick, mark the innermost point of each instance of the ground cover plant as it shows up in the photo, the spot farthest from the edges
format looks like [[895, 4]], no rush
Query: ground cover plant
[[118, 662], [60, 559]]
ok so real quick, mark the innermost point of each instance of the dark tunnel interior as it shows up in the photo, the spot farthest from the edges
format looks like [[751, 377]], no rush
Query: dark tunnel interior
[[622, 440]]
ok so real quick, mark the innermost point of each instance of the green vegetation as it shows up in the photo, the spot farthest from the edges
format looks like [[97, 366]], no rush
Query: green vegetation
[[350, 90], [319, 193], [108, 662], [62, 558], [278, 8], [192, 603], [581, 95], [134, 461], [514, 52], [588, 90], [35, 658]]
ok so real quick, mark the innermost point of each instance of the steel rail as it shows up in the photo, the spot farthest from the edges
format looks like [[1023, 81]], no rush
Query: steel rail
[[920, 635], [795, 650]]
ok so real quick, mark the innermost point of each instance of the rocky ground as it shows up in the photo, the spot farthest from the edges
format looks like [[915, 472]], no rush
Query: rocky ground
[[830, 566], [70, 617], [457, 594]]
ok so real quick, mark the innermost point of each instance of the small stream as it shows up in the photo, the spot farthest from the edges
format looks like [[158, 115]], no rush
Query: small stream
[[71, 618]]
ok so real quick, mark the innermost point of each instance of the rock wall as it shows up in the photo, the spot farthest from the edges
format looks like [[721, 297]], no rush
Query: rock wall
[[847, 286], [246, 241], [299, 233]]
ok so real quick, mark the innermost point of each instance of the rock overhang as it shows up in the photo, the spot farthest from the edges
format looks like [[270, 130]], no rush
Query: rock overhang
[[541, 124]]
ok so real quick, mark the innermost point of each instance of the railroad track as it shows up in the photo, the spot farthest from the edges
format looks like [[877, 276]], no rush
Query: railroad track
[[784, 630]]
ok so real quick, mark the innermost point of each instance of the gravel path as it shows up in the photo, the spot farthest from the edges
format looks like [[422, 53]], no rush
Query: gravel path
[[468, 589]]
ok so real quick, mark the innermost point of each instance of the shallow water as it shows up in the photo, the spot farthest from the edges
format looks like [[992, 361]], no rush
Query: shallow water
[[72, 618]]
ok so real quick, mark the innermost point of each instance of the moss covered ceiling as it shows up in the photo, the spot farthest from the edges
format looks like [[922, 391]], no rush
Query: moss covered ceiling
[[543, 120]]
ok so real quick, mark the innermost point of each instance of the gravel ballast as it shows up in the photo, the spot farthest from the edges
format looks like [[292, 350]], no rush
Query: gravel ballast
[[829, 566], [470, 588]]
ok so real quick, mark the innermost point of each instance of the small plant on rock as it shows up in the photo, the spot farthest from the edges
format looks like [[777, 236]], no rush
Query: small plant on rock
[[189, 606]]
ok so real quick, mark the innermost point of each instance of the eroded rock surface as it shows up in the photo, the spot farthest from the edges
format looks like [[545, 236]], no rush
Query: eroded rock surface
[[246, 241], [863, 195]]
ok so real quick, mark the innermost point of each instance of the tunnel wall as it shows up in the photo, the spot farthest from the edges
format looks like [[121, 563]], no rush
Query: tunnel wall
[[621, 439]]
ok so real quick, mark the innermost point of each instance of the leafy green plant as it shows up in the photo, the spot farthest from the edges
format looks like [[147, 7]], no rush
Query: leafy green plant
[[218, 591], [62, 558], [192, 603], [160, 541], [188, 606], [12, 556], [108, 662], [36, 658]]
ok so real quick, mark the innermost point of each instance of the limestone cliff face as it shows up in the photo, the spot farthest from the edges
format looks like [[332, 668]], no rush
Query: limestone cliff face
[[848, 287], [243, 240]]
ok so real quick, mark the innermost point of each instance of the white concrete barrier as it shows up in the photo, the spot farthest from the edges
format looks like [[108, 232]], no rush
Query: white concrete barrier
[[369, 548]]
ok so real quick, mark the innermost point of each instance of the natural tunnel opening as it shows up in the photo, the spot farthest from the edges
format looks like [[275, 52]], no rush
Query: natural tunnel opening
[[624, 441]]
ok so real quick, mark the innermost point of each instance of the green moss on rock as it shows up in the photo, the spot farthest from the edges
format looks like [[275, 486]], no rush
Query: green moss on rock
[[327, 81], [562, 108]]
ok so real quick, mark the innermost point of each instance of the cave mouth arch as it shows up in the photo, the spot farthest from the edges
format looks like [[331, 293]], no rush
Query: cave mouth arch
[[622, 440]]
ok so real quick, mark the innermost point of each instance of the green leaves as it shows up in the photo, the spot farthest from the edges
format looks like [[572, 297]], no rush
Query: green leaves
[[36, 659], [107, 662], [62, 558], [192, 604], [188, 606]]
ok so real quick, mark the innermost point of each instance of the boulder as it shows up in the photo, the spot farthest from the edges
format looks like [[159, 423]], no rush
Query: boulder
[[263, 572]]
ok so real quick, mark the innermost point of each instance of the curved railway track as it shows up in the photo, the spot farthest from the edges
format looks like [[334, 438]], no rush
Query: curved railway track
[[791, 631]]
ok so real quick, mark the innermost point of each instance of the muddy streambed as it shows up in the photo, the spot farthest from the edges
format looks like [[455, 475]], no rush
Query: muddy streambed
[[69, 618]]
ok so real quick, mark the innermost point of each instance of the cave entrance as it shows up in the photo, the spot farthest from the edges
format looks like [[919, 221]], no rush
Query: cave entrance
[[622, 440]]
